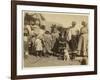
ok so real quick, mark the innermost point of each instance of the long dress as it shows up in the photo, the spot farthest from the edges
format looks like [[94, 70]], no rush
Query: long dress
[[61, 45], [38, 45], [83, 42], [47, 42], [55, 36]]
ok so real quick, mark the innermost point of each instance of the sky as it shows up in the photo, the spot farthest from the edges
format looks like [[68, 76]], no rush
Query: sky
[[64, 19]]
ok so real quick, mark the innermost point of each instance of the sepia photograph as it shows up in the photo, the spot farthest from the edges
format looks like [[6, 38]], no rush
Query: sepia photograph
[[55, 39]]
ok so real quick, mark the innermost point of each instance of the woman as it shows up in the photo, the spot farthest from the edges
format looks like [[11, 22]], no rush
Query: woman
[[55, 36], [47, 43], [62, 46], [83, 40]]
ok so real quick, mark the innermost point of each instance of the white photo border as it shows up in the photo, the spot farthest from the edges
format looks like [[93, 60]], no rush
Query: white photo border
[[56, 69]]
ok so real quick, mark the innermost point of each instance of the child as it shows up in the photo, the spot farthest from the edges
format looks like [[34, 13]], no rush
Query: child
[[38, 47]]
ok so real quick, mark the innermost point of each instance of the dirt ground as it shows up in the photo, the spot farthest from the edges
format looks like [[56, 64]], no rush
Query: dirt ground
[[33, 61]]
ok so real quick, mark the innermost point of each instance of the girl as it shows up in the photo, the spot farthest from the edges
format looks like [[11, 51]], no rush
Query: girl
[[38, 47]]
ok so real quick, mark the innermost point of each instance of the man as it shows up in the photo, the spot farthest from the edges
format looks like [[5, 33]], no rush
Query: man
[[72, 36], [72, 39]]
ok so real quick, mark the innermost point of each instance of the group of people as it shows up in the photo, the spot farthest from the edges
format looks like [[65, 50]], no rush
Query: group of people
[[57, 41]]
